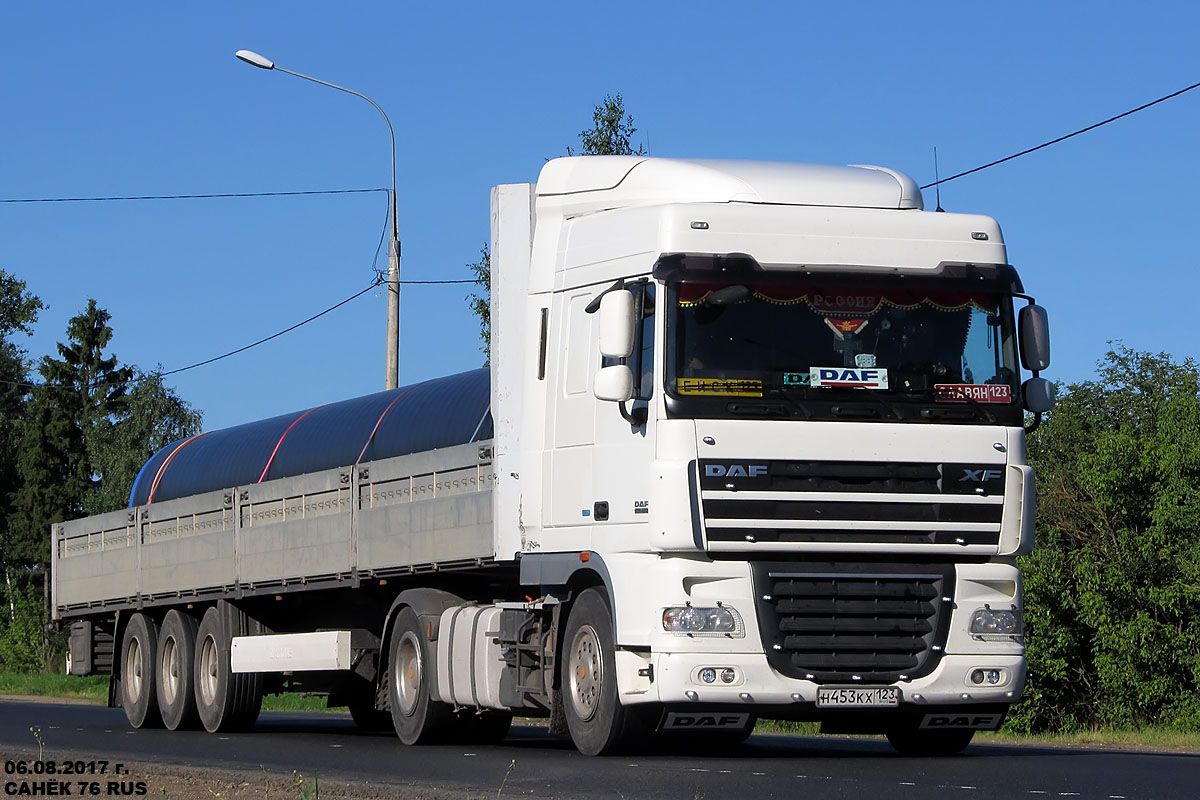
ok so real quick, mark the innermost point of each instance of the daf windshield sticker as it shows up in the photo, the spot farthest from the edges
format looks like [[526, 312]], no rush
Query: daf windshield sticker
[[796, 378], [848, 378], [864, 360], [719, 386], [980, 393]]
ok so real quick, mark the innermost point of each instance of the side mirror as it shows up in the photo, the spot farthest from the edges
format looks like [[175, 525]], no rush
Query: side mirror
[[614, 384], [1039, 395], [1033, 325], [616, 324]]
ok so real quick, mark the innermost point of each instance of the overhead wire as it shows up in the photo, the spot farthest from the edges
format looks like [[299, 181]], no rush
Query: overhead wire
[[380, 275], [1093, 127], [244, 348], [186, 196]]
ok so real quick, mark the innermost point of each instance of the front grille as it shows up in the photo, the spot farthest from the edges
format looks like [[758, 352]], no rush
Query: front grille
[[839, 623], [851, 502]]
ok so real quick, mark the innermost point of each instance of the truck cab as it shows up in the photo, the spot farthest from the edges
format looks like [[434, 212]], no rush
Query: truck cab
[[771, 416]]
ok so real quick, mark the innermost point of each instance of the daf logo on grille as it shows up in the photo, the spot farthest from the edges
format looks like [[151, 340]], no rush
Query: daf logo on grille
[[979, 475], [735, 470]]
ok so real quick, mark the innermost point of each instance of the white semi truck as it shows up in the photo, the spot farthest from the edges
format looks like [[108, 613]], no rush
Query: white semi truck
[[751, 446]]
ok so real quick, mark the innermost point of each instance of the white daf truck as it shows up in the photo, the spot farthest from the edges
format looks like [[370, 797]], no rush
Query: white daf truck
[[751, 446]]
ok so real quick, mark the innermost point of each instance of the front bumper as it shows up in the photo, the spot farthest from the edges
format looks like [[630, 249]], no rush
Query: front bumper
[[674, 679]]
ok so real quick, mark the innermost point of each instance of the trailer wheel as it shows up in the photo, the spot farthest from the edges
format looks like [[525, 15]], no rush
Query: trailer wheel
[[417, 718], [598, 723], [226, 701], [909, 740], [139, 648], [176, 678]]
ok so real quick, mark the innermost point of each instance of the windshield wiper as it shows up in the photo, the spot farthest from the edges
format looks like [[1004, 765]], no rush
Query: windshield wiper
[[785, 393], [945, 411]]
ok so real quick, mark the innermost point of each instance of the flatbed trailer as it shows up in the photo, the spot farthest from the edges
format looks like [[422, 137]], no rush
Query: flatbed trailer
[[750, 446]]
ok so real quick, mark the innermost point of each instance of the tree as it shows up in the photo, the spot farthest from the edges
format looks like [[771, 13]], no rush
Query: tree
[[1112, 589], [81, 388], [610, 136], [481, 302], [153, 417], [612, 129], [18, 313]]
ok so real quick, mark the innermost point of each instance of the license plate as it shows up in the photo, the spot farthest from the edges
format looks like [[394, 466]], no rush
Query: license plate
[[857, 696]]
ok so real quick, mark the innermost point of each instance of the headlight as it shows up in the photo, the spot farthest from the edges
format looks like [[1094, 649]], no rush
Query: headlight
[[718, 620], [990, 624]]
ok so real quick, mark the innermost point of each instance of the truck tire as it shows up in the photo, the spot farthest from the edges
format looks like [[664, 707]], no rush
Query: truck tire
[[417, 718], [598, 723], [908, 740], [226, 701], [139, 660], [361, 702], [175, 679]]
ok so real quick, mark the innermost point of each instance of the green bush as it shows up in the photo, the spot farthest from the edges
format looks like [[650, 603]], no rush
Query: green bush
[[1112, 589], [23, 623]]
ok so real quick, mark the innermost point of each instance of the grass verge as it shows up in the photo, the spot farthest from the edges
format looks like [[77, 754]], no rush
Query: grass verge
[[71, 687], [94, 688], [1144, 739]]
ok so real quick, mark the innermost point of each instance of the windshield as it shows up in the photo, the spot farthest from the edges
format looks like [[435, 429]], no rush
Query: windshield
[[817, 343]]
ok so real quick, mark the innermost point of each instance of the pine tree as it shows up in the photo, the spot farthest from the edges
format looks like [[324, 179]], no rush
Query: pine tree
[[80, 389]]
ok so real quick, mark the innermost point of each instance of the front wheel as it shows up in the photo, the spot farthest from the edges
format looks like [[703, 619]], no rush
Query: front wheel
[[598, 723]]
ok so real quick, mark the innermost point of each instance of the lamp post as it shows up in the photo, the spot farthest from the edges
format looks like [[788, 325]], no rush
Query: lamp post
[[393, 310]]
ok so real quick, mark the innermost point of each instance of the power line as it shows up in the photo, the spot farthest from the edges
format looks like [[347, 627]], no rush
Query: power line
[[272, 336], [244, 348], [1064, 138], [186, 196]]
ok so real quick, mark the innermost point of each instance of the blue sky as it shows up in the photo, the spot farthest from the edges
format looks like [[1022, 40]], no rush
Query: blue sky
[[147, 98]]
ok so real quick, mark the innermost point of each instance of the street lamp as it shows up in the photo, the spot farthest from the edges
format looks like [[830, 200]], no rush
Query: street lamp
[[393, 311]]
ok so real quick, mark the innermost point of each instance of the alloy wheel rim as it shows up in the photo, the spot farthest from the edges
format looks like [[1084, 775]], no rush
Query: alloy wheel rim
[[409, 669], [587, 672]]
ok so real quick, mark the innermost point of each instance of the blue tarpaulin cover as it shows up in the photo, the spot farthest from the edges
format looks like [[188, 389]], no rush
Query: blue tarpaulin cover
[[438, 413]]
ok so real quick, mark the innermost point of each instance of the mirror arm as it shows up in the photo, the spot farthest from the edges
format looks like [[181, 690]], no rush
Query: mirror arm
[[1037, 420], [594, 306], [635, 416]]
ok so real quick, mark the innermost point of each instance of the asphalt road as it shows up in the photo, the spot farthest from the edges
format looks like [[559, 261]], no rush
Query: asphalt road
[[548, 767]]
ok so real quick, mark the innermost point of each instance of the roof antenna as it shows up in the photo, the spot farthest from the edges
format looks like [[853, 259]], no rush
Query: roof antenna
[[937, 181]]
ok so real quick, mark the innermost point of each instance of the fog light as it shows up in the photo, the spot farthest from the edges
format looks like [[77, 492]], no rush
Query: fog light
[[708, 675], [728, 675], [989, 676]]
